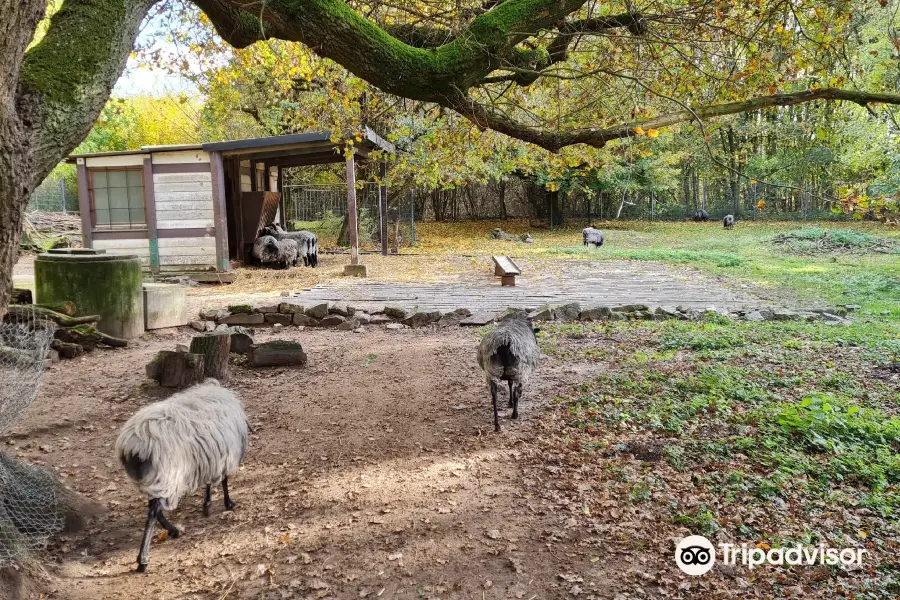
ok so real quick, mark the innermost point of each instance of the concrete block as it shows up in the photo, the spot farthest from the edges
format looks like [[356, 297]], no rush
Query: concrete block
[[164, 305]]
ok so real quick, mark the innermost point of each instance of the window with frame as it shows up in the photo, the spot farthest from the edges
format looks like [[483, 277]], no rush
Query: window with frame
[[117, 198]]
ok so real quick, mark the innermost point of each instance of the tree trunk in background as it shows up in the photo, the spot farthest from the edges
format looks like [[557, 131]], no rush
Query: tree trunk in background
[[503, 213], [555, 208]]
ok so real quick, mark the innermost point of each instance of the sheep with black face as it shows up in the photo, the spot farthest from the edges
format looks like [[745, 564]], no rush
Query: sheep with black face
[[728, 221], [170, 448], [590, 235], [509, 353]]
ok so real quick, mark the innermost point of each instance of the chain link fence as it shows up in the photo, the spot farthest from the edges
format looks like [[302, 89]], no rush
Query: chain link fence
[[53, 195], [34, 505]]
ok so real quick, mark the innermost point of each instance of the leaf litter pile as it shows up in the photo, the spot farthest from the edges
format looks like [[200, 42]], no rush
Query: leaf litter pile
[[816, 240]]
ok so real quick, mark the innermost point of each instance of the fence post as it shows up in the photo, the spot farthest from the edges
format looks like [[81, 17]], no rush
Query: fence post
[[412, 217], [62, 194]]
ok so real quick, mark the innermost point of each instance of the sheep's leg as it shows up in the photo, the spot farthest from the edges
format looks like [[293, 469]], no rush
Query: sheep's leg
[[167, 525], [152, 516], [510, 405], [515, 392], [207, 501], [229, 505], [494, 404]]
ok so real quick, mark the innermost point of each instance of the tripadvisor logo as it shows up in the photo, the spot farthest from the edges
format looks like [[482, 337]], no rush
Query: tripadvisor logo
[[695, 555]]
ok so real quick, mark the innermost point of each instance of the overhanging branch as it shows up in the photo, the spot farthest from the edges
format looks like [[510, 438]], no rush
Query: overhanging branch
[[489, 118]]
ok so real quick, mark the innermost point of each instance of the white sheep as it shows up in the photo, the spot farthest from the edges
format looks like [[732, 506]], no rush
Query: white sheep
[[509, 353], [171, 448]]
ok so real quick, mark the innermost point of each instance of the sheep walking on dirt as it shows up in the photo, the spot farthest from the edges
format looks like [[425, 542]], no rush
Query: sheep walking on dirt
[[728, 221], [509, 353], [700, 215], [170, 448], [307, 242], [592, 236], [269, 251]]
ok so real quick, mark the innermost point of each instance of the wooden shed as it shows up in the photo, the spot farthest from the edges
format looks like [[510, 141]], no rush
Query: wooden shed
[[194, 208]]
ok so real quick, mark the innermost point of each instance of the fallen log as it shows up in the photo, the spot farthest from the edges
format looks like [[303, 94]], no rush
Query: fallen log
[[64, 308], [28, 312], [66, 349], [277, 353], [176, 369], [241, 339]]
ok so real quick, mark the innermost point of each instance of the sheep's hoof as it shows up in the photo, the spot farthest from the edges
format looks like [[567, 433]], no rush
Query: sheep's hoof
[[229, 505], [174, 534], [142, 567], [515, 414], [206, 509]]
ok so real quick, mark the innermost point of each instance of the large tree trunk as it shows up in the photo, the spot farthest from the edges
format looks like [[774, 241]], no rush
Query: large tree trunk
[[51, 95]]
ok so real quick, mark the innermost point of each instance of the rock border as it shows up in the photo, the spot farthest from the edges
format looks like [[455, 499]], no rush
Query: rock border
[[345, 317]]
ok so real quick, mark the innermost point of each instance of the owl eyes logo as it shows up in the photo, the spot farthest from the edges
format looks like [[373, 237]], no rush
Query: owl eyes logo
[[695, 555]]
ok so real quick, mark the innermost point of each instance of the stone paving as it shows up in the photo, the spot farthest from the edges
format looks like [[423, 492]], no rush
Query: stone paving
[[608, 283]]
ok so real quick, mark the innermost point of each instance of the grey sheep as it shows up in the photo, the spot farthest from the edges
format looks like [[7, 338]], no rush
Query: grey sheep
[[270, 251], [170, 448], [592, 236], [307, 242], [700, 215], [509, 353], [728, 221]]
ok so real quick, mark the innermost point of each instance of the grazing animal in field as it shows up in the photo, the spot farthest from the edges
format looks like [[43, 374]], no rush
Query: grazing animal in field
[[269, 251], [307, 242], [728, 221], [170, 448], [590, 235], [509, 353], [700, 215]]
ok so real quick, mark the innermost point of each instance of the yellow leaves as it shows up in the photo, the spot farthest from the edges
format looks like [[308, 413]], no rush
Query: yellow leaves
[[652, 133], [760, 205], [764, 546], [639, 130], [862, 534]]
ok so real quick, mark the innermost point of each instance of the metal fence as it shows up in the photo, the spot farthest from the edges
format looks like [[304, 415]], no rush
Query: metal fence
[[322, 208], [52, 196]]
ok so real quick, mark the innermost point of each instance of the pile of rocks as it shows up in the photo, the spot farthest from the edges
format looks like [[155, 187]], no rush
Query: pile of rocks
[[344, 317]]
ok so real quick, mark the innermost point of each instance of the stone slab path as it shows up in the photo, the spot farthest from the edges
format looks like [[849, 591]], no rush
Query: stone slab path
[[607, 283]]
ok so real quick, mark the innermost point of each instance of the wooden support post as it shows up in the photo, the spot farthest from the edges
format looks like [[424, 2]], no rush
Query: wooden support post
[[382, 206], [351, 211], [84, 205], [150, 215], [220, 211], [253, 177], [280, 181]]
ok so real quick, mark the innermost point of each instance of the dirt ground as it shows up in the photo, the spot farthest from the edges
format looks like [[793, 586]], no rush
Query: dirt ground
[[373, 472]]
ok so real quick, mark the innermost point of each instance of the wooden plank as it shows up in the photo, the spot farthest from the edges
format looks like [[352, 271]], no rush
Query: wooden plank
[[187, 196], [202, 251], [185, 205], [188, 232], [135, 244], [150, 213], [184, 223], [185, 214], [121, 160], [204, 242], [180, 156], [351, 211], [192, 167], [187, 260], [126, 234], [185, 186], [506, 265], [84, 204], [179, 177]]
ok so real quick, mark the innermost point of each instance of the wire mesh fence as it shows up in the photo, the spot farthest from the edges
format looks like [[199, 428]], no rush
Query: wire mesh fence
[[322, 209], [53, 195], [34, 505]]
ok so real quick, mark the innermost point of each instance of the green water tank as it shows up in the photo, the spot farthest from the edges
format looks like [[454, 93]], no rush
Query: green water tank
[[108, 285]]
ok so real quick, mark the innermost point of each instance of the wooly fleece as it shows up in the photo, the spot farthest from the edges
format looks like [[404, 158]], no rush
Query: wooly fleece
[[193, 439]]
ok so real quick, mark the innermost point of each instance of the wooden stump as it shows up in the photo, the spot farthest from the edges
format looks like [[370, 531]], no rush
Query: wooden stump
[[176, 369], [241, 339], [214, 346], [66, 349], [277, 353]]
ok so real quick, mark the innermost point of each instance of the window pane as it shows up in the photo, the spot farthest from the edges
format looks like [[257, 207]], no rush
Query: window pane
[[134, 178], [137, 215], [119, 215], [101, 199], [117, 179], [99, 179], [102, 217], [118, 197], [136, 197]]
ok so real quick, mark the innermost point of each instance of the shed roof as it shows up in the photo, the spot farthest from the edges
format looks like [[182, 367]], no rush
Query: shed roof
[[298, 148]]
